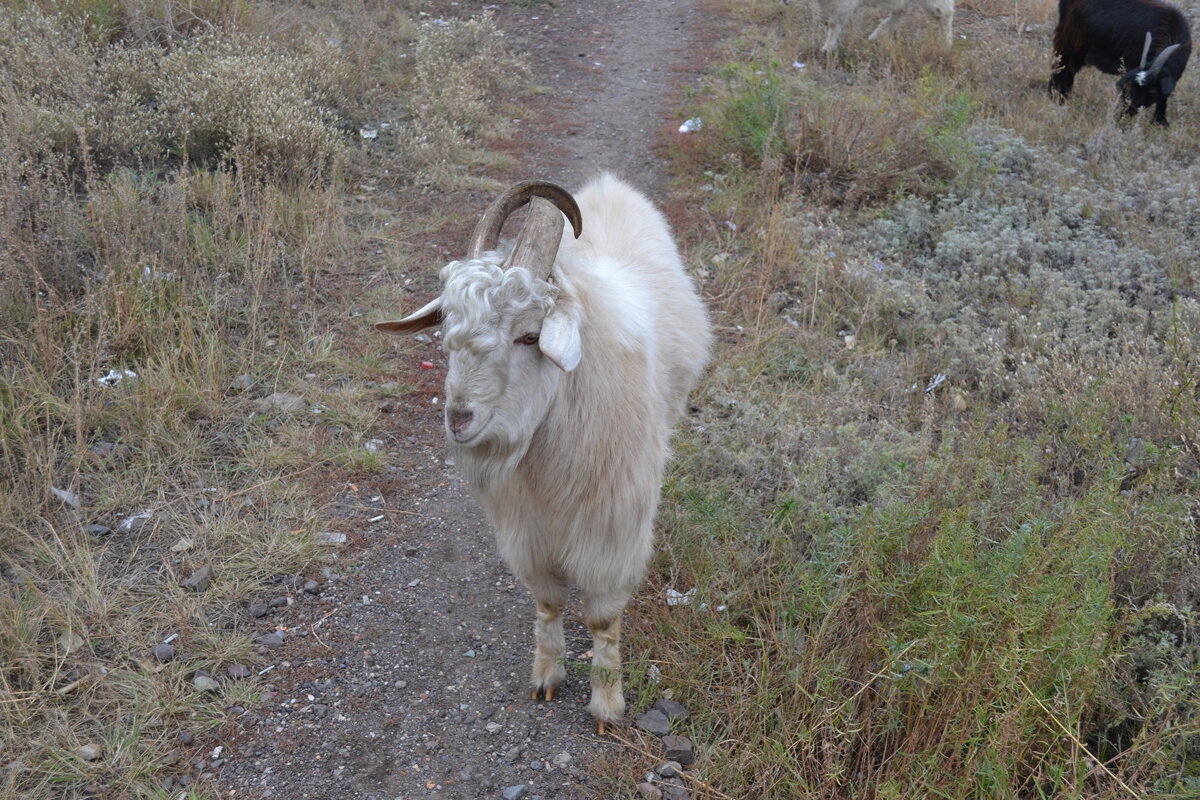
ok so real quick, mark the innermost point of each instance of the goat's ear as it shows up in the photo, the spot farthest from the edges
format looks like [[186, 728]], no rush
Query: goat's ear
[[1166, 85], [559, 340], [425, 317]]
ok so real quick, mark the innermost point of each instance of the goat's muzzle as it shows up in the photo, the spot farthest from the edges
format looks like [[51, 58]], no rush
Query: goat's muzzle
[[458, 419]]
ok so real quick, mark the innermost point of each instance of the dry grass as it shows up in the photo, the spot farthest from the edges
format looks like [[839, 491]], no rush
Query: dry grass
[[181, 196], [939, 505]]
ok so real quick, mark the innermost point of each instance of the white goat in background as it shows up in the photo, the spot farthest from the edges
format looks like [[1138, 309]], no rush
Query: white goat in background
[[837, 13], [570, 362]]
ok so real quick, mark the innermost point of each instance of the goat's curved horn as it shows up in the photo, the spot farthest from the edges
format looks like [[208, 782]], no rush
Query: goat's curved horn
[[487, 232], [1145, 51], [1161, 59]]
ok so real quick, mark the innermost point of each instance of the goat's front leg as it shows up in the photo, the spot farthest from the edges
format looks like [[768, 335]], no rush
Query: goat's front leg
[[548, 669], [886, 26], [833, 32], [604, 621]]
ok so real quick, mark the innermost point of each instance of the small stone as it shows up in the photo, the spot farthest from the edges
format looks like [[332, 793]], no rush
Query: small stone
[[242, 383], [512, 755], [70, 642], [386, 407], [675, 711], [648, 791], [669, 769], [312, 587], [163, 652], [89, 752], [237, 671], [410, 551], [185, 739], [655, 722], [205, 684], [515, 792], [276, 602], [562, 759], [281, 401], [68, 498], [679, 748], [493, 727], [97, 530], [200, 579], [271, 640], [672, 792], [259, 610]]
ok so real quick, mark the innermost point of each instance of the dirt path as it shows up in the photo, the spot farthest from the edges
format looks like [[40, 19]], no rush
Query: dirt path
[[407, 678]]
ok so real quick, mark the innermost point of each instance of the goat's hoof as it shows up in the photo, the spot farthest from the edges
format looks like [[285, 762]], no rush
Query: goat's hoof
[[607, 727], [543, 693]]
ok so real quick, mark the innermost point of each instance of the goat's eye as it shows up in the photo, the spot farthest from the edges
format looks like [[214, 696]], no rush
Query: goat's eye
[[529, 338]]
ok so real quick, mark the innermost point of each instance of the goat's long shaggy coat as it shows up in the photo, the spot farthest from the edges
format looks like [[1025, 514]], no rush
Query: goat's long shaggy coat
[[564, 444]]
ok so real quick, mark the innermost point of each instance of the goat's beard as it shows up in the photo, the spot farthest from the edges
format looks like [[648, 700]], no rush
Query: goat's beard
[[490, 462]]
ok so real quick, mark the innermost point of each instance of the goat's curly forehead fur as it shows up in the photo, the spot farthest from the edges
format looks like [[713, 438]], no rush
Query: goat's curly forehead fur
[[478, 298]]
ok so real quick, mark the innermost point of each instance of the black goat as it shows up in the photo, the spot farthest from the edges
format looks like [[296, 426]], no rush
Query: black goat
[[1110, 35]]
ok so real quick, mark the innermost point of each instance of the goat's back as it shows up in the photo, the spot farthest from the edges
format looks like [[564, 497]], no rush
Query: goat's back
[[1109, 34], [627, 247]]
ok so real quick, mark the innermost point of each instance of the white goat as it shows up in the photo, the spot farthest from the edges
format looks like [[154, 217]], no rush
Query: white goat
[[566, 377], [837, 13]]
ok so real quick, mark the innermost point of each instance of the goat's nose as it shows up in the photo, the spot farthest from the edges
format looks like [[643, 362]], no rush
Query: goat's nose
[[458, 418]]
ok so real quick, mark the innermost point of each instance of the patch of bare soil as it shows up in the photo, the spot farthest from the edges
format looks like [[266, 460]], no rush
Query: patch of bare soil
[[405, 675]]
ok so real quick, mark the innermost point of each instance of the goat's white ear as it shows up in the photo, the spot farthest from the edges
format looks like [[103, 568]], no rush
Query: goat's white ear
[[559, 340], [425, 317]]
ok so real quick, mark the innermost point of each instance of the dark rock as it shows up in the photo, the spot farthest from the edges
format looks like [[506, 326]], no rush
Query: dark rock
[[674, 711], [654, 721], [259, 610], [185, 739], [515, 792], [237, 671], [163, 652], [312, 587], [276, 602], [275, 640], [669, 769], [98, 530], [200, 579], [672, 792], [679, 748]]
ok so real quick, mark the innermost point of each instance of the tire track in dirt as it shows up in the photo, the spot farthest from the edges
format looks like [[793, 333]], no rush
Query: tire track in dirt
[[415, 685]]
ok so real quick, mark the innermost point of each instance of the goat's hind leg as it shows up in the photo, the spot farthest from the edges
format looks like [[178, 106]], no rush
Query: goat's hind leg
[[548, 668]]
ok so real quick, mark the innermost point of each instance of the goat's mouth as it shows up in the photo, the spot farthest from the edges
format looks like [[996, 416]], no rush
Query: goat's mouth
[[471, 433]]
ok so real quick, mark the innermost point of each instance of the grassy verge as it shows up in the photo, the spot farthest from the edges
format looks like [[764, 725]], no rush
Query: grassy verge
[[190, 210], [939, 508]]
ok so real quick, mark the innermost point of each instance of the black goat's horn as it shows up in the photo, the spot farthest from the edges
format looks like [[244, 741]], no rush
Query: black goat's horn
[[1145, 51], [1161, 59]]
